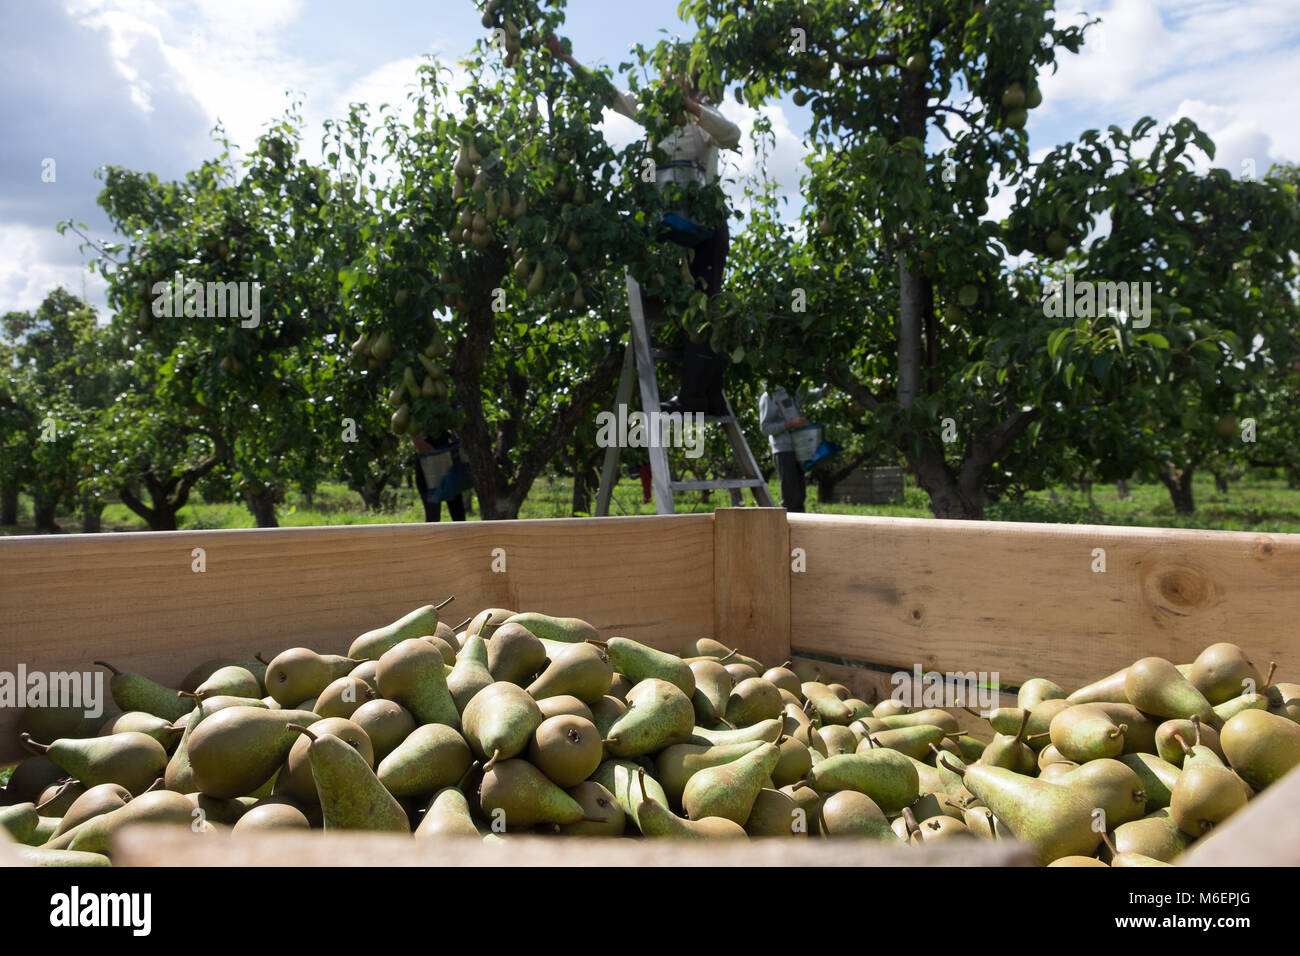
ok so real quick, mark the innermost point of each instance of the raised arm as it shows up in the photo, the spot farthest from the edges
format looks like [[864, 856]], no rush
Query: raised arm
[[621, 102]]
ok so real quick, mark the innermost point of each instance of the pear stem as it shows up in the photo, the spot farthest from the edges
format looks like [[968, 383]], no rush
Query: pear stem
[[913, 828], [640, 781], [462, 624], [1024, 722], [730, 654], [1045, 733], [109, 666], [609, 740], [1105, 838], [1196, 722], [873, 741], [1268, 678], [786, 664], [302, 730], [601, 644], [724, 720], [260, 659], [973, 712], [158, 784], [800, 783], [950, 767], [1182, 743], [26, 740], [63, 785], [493, 762], [186, 693], [1119, 731], [442, 604], [460, 784]]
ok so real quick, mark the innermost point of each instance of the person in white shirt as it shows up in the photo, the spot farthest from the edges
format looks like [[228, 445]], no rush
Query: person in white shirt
[[778, 414], [692, 152]]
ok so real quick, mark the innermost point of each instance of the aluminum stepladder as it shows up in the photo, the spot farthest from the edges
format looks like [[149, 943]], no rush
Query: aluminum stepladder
[[640, 359]]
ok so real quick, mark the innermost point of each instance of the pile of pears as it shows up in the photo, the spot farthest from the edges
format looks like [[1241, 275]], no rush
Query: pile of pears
[[524, 723]]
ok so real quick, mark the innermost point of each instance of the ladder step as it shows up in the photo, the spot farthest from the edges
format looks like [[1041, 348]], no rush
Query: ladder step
[[719, 483]]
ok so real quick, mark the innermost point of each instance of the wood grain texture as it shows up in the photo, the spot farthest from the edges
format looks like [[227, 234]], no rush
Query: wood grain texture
[[1265, 833], [153, 846], [1022, 600], [751, 581], [133, 600]]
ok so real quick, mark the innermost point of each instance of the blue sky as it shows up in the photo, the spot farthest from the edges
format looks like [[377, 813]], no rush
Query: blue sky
[[141, 83]]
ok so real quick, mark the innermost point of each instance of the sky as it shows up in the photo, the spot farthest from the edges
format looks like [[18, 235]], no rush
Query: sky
[[142, 83]]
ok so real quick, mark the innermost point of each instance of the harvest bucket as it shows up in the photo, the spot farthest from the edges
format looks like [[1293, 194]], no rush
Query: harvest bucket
[[806, 440]]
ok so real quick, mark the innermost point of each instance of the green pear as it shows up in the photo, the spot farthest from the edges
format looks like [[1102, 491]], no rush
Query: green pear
[[931, 716], [1156, 835], [218, 810], [179, 775], [1084, 732], [515, 654], [912, 741], [563, 630], [519, 795], [1011, 753], [230, 681], [1053, 820], [1222, 672], [51, 723], [499, 722], [640, 662], [655, 820], [1204, 797], [604, 712], [739, 672], [752, 700], [343, 697], [237, 750], [40, 856], [1284, 700], [206, 669], [886, 777], [58, 798], [30, 777], [841, 740], [372, 644], [774, 814], [604, 816], [296, 780], [567, 749], [619, 685], [938, 828], [272, 814], [1261, 747], [658, 715], [1155, 686], [826, 704], [1157, 776], [849, 813], [794, 764], [1170, 748], [159, 728], [566, 704], [1036, 690], [133, 691], [432, 757], [351, 796], [1108, 689], [1140, 735], [470, 673], [765, 730], [712, 688], [132, 760], [448, 815], [300, 674], [621, 778], [1057, 772], [1077, 861], [95, 834], [447, 649], [19, 820], [386, 722], [582, 670], [1113, 786], [890, 708], [413, 674], [785, 679], [1235, 705], [675, 764]]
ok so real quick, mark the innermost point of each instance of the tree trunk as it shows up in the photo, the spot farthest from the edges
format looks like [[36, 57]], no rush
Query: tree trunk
[[1220, 484], [9, 504], [262, 505], [372, 495], [44, 516], [1121, 488], [1179, 483], [91, 509], [161, 517], [581, 490]]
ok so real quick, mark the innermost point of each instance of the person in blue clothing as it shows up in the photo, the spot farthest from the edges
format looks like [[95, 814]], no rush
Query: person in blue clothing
[[693, 151], [778, 414], [437, 465]]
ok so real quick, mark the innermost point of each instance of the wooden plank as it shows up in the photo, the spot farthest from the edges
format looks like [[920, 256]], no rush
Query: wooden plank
[[751, 574], [133, 600], [1022, 600], [153, 846], [1265, 833]]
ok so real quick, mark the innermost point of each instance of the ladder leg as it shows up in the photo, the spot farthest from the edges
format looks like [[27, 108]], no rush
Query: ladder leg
[[609, 469], [660, 478], [745, 457]]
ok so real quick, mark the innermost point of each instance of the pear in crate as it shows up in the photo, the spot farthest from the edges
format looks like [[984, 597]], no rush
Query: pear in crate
[[712, 689], [1036, 690], [752, 700], [566, 704], [343, 697], [272, 814], [1261, 747], [300, 674], [567, 749], [1222, 672], [676, 764], [826, 704], [1085, 732], [499, 721], [132, 760], [728, 790], [640, 661], [1157, 776], [785, 679], [230, 681], [448, 815], [132, 691], [1113, 786], [137, 721], [582, 670], [1204, 797], [1157, 836], [386, 722], [434, 756], [295, 779], [351, 796], [1155, 686], [485, 623], [604, 817], [470, 674], [658, 715], [413, 674], [235, 751], [95, 835], [655, 820], [515, 654], [103, 798], [372, 644], [848, 813], [520, 796], [620, 778]]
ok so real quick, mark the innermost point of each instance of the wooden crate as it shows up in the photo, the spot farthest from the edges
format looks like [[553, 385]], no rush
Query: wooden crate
[[870, 486], [863, 598]]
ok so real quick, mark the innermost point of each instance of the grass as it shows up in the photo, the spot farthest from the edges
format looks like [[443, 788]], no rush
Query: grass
[[1257, 503]]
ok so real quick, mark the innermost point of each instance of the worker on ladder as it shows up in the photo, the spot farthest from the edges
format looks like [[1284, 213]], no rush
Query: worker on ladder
[[693, 157], [780, 413]]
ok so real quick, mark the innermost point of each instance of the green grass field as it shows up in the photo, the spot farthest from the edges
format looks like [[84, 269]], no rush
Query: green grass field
[[1256, 503]]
